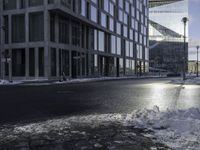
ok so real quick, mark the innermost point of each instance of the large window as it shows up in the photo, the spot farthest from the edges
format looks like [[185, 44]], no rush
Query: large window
[[64, 30], [18, 62], [53, 62], [101, 41], [95, 39], [6, 29], [36, 2], [76, 33], [64, 62], [31, 62], [18, 28], [83, 7], [119, 46], [118, 28], [67, 3], [113, 44], [36, 26], [9, 4], [106, 5], [41, 61], [50, 1], [52, 28], [22, 4], [94, 65], [127, 49], [103, 20], [111, 24], [93, 13]]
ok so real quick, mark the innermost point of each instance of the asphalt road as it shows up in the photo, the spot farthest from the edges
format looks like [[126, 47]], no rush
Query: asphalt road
[[28, 103]]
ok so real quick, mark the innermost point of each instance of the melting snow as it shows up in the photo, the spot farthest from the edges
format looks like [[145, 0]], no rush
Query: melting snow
[[188, 81], [178, 129], [6, 82]]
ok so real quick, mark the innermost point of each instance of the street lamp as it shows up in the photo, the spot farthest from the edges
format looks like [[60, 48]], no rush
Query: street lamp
[[184, 20], [197, 61]]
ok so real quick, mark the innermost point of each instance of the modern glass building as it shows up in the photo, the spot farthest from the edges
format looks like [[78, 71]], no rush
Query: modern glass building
[[166, 34], [44, 39]]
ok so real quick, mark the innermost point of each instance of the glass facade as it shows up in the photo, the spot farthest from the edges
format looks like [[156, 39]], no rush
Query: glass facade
[[86, 38], [166, 34]]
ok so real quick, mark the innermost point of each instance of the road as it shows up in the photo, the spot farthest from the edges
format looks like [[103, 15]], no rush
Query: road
[[27, 103]]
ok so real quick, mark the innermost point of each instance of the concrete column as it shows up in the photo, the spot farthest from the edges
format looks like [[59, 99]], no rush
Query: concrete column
[[18, 4], [26, 27], [56, 29], [36, 63], [70, 63], [10, 65], [27, 62], [57, 62], [10, 29], [1, 38], [10, 50], [46, 40]]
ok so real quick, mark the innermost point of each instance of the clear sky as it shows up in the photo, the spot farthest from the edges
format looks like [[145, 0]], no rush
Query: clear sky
[[194, 26], [194, 14]]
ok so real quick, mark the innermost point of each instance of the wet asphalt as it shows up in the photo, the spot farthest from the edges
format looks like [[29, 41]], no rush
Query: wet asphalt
[[23, 103]]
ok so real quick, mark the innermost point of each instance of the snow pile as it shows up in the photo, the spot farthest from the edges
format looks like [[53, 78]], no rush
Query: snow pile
[[6, 82], [188, 81], [178, 129], [103, 79]]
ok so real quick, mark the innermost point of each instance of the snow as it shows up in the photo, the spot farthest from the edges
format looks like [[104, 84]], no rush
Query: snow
[[178, 129], [6, 82], [187, 81]]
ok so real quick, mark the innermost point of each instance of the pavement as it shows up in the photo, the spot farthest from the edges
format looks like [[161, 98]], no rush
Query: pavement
[[29, 102], [70, 80], [102, 137]]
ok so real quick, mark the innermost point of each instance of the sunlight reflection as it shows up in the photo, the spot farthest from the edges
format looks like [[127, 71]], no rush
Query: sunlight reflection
[[161, 95]]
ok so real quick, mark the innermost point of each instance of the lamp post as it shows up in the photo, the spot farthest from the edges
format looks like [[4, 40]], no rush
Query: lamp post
[[197, 61], [184, 20]]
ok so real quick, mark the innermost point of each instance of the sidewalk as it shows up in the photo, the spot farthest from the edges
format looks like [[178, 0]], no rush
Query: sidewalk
[[188, 81], [70, 81]]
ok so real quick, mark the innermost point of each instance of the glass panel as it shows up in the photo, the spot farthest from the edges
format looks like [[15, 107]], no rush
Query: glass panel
[[9, 4], [36, 2], [41, 61], [93, 13], [31, 62], [18, 28], [18, 62], [119, 46], [64, 30], [36, 26], [53, 62], [101, 41]]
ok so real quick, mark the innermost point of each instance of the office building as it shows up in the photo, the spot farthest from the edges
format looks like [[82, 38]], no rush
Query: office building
[[46, 39], [166, 34]]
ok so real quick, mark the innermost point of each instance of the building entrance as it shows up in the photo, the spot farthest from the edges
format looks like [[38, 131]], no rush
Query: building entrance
[[78, 66], [107, 66]]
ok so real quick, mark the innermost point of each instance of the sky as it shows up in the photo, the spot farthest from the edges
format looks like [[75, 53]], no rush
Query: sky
[[194, 27], [194, 19]]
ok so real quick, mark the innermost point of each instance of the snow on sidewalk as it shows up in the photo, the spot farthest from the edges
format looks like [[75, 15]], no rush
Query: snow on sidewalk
[[187, 81], [6, 82], [178, 129]]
